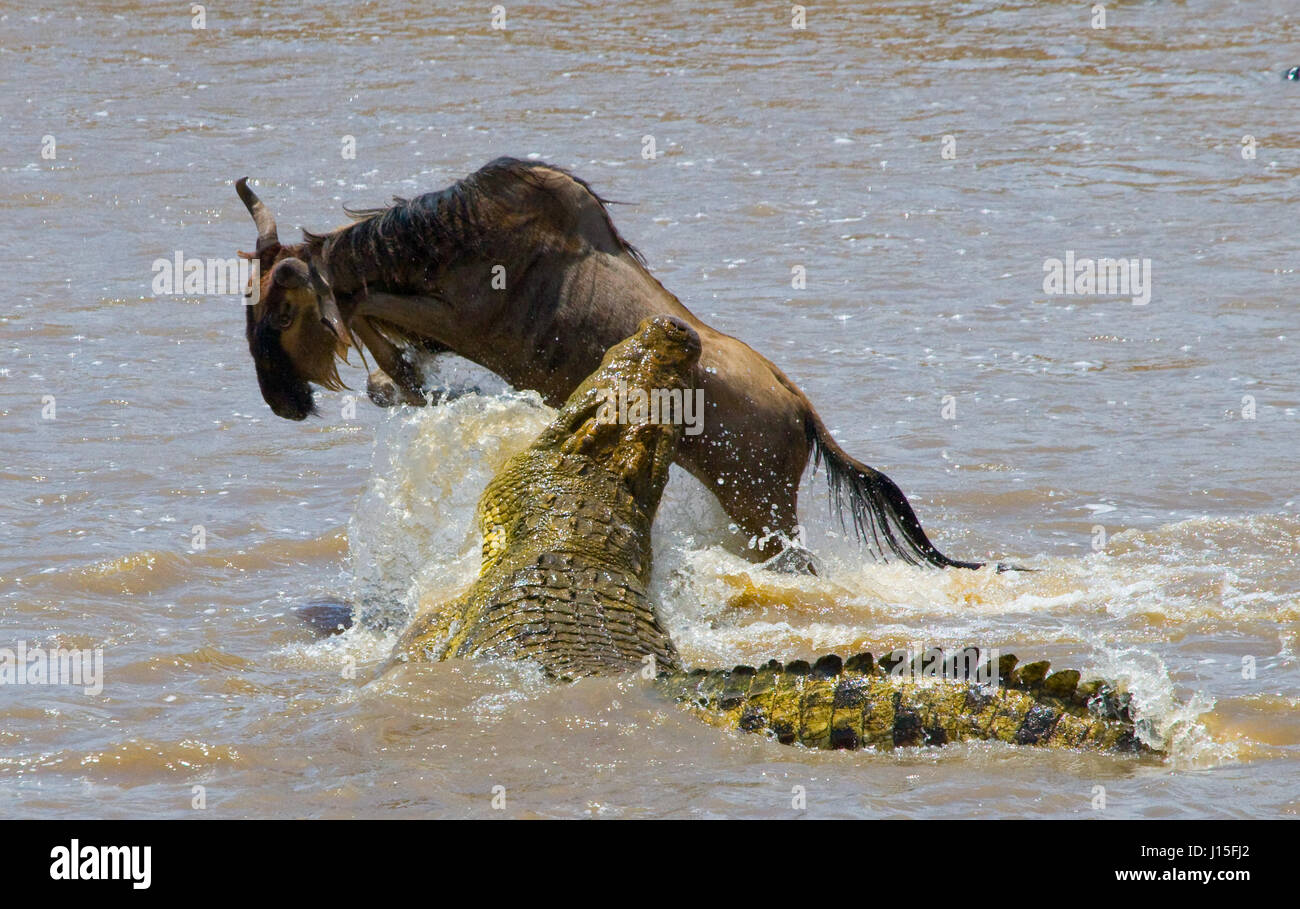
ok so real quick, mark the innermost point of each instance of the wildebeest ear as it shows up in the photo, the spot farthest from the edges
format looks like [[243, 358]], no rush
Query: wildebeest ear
[[330, 316]]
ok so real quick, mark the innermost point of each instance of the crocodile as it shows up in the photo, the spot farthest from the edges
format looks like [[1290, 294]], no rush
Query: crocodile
[[564, 582]]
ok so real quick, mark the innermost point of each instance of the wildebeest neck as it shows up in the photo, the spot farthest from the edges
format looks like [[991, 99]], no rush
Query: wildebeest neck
[[518, 267]]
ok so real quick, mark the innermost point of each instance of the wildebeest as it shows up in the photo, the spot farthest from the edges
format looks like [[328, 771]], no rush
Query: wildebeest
[[519, 268]]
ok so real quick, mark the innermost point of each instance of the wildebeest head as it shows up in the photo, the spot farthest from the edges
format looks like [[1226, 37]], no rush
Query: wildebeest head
[[293, 327]]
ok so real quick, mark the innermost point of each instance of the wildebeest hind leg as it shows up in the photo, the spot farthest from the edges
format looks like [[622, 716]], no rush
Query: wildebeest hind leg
[[770, 520]]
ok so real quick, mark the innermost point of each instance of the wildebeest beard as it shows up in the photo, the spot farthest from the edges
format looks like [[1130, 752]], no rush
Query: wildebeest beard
[[288, 395]]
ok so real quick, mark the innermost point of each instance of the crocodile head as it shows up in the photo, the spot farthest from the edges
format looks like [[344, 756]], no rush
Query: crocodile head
[[628, 415], [566, 523]]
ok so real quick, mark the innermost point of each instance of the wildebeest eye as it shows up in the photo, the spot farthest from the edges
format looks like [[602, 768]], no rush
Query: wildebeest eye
[[283, 319]]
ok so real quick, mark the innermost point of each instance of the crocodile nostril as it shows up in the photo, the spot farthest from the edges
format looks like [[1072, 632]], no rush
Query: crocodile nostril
[[679, 330]]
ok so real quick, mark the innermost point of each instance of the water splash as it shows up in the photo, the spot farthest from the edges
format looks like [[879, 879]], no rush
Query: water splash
[[412, 540]]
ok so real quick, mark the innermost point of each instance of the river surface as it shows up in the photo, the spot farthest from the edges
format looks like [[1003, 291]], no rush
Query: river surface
[[1140, 455]]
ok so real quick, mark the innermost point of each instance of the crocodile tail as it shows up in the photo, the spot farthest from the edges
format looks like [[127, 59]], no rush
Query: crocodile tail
[[861, 703]]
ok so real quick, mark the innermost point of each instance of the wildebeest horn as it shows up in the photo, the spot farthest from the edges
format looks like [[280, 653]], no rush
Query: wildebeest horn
[[266, 233], [329, 308]]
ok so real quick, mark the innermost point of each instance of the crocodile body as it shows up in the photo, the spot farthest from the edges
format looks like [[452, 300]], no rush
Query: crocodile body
[[566, 531], [565, 576]]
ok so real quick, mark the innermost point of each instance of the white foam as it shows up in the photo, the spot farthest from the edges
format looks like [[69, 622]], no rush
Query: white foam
[[413, 537], [412, 534]]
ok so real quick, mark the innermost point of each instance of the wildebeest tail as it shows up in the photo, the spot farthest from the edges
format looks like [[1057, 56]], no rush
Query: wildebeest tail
[[882, 517]]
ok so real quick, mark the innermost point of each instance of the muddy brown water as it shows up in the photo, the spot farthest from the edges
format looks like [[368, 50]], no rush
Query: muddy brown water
[[1141, 456]]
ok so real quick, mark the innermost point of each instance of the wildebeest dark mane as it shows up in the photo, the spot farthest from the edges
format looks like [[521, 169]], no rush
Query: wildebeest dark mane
[[401, 244]]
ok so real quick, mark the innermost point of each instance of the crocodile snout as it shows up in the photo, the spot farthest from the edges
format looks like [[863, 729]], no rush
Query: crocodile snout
[[675, 330]]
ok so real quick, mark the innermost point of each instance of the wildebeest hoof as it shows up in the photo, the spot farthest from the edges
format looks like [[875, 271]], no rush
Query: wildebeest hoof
[[381, 389], [794, 560]]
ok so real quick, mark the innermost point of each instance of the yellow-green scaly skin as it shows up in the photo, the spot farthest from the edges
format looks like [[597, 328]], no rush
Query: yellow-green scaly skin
[[564, 580], [566, 531], [857, 704]]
